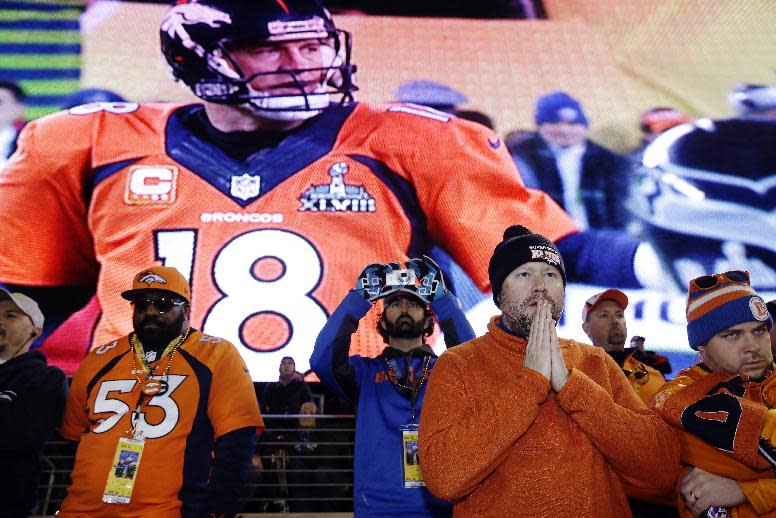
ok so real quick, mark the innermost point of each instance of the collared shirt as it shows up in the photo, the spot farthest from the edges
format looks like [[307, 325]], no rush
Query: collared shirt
[[569, 162]]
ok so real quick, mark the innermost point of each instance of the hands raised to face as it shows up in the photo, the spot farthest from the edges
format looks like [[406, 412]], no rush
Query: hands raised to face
[[543, 353]]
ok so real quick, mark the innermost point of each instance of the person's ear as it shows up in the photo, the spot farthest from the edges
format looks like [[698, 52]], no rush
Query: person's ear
[[36, 333]]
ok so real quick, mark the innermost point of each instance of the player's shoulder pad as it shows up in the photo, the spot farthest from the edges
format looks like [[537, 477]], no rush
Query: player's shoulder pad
[[208, 339], [206, 342], [417, 122], [410, 113], [81, 122], [105, 349], [121, 113], [86, 114]]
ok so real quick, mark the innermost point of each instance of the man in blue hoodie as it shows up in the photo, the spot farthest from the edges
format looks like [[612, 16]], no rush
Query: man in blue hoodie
[[388, 390]]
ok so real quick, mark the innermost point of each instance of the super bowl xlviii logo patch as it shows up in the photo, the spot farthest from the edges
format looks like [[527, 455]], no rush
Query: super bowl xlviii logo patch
[[337, 196], [245, 187]]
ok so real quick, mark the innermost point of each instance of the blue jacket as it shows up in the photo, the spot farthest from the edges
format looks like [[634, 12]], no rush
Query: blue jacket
[[381, 407], [603, 183]]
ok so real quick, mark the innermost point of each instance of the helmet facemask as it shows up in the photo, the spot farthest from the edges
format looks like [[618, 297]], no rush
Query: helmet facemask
[[310, 94], [200, 41]]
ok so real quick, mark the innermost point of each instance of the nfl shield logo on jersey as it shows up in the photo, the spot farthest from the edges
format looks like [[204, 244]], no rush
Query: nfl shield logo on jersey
[[246, 186]]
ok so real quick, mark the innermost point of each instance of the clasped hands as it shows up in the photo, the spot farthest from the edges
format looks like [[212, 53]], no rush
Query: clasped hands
[[542, 354]]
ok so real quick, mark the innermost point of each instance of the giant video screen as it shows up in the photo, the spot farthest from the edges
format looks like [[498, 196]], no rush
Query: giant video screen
[[270, 252]]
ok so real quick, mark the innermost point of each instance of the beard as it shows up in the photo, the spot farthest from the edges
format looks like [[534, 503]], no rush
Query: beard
[[518, 317], [404, 327], [158, 337], [616, 337]]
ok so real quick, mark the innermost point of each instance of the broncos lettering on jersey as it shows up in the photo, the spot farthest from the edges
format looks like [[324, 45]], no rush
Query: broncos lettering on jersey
[[209, 394], [270, 244]]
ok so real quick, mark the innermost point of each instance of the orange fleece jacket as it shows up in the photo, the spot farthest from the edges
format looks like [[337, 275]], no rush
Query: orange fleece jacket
[[744, 464], [495, 439]]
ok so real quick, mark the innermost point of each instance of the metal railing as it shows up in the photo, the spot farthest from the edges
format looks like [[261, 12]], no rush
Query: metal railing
[[302, 464]]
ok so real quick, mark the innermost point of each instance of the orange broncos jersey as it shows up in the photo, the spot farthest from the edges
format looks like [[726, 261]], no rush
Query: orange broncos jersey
[[209, 394], [270, 244]]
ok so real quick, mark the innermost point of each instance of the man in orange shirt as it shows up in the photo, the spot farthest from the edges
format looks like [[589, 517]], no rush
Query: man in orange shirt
[[723, 408], [521, 423], [166, 417], [603, 321]]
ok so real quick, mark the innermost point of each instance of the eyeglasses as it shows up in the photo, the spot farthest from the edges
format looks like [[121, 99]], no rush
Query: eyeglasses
[[640, 373], [162, 304], [707, 282]]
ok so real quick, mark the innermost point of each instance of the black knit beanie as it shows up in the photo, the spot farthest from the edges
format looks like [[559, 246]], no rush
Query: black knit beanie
[[521, 246]]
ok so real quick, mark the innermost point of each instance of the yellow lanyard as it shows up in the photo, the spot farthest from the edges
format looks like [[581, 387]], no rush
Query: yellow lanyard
[[150, 386]]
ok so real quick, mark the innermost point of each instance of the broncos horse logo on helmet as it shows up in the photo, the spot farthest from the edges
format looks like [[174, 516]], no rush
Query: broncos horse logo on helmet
[[179, 16], [197, 35]]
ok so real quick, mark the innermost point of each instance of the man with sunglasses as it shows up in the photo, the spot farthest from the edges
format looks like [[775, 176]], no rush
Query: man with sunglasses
[[723, 407], [519, 422], [389, 388], [603, 321], [175, 404]]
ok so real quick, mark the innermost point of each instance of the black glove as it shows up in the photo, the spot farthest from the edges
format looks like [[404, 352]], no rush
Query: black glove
[[715, 418], [431, 283]]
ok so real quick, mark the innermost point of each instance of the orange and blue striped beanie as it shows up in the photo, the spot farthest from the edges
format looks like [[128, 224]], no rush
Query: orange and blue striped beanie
[[725, 305]]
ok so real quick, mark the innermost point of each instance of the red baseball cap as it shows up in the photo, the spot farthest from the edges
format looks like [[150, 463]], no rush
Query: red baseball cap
[[616, 295]]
